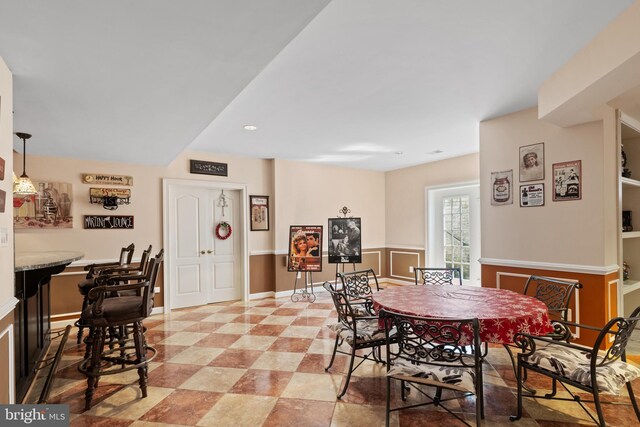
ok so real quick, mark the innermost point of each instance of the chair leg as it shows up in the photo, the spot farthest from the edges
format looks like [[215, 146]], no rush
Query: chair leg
[[85, 304], [519, 375], [554, 388], [388, 411], [97, 338], [346, 383], [140, 356], [333, 356], [633, 400], [596, 401]]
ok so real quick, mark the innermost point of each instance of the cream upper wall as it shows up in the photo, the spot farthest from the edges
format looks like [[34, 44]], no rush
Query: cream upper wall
[[568, 232], [405, 190], [146, 201], [6, 147], [309, 193]]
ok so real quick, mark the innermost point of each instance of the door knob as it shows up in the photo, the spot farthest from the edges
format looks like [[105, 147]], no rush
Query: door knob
[[209, 251], [202, 252]]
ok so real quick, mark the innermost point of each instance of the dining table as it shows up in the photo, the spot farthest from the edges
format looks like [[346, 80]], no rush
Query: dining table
[[501, 313]]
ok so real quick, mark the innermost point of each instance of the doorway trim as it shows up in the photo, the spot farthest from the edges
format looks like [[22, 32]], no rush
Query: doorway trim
[[212, 185]]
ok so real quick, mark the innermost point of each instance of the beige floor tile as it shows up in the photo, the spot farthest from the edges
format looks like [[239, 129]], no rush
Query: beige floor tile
[[234, 328], [127, 377], [239, 410], [213, 379], [221, 317], [264, 311], [301, 332], [348, 415], [60, 385], [196, 356], [313, 386], [278, 361], [253, 342], [316, 313], [209, 308], [278, 320], [139, 423], [370, 369], [321, 347], [183, 338], [128, 403], [173, 325]]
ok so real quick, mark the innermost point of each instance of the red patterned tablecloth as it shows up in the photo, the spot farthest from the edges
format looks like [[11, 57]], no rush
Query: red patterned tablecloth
[[501, 313]]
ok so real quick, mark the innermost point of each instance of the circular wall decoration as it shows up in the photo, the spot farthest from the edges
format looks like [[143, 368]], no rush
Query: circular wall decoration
[[225, 227]]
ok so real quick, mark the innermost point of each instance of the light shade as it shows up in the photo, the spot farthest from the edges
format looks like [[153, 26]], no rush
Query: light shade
[[24, 187]]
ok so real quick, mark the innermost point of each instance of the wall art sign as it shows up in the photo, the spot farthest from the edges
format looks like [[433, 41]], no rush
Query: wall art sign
[[501, 188], [259, 209], [208, 168], [2, 167], [305, 248], [102, 222], [531, 195], [50, 207], [100, 179], [567, 181], [3, 200], [345, 240], [97, 194], [532, 162]]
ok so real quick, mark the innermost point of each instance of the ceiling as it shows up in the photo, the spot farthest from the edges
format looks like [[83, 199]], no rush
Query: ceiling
[[372, 84]]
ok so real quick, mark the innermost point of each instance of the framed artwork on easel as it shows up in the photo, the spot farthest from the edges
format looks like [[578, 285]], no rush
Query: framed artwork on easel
[[345, 240], [305, 248]]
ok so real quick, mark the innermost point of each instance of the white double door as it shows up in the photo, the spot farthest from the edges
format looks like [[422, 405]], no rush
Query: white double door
[[204, 268]]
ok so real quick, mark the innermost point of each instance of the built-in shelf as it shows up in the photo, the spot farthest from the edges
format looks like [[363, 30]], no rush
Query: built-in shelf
[[630, 286], [630, 234], [628, 182]]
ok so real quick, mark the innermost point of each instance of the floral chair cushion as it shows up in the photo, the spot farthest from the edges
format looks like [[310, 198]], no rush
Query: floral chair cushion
[[368, 331], [576, 365], [453, 377]]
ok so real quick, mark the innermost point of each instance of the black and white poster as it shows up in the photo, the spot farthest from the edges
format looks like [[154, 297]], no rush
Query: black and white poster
[[345, 240], [531, 195]]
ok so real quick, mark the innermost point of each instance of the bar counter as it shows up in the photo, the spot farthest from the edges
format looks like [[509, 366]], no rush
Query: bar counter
[[32, 322]]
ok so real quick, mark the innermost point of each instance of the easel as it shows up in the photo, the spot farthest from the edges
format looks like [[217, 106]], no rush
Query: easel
[[304, 293]]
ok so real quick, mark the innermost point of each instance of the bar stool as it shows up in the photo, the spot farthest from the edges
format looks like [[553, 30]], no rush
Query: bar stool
[[106, 314]]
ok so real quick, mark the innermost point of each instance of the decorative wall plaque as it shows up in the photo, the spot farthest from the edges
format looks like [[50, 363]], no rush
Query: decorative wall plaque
[[208, 168], [3, 199], [102, 222], [1, 169], [97, 194], [92, 178]]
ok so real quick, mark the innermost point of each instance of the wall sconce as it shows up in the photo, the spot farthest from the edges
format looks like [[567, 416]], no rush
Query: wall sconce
[[23, 186]]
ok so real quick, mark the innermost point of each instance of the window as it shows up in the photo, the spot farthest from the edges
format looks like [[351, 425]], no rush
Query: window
[[457, 233]]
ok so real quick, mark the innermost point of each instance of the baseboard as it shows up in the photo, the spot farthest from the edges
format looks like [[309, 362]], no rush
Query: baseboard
[[262, 295], [396, 281]]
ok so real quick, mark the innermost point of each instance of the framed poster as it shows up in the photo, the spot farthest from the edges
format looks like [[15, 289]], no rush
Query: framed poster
[[305, 248], [567, 181], [531, 195], [2, 167], [259, 209], [50, 207], [532, 162], [345, 240], [3, 200], [501, 193]]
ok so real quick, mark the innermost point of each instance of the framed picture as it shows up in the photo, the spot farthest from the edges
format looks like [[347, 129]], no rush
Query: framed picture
[[532, 162], [501, 193], [3, 200], [305, 248], [345, 240], [567, 181], [50, 207], [2, 167], [259, 208], [531, 195]]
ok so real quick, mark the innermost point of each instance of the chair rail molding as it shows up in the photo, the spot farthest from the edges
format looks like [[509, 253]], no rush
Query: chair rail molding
[[573, 268]]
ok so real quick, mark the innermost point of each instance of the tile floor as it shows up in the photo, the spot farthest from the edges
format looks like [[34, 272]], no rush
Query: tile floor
[[261, 363]]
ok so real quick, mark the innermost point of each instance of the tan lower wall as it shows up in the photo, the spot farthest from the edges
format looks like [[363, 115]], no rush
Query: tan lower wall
[[400, 261], [595, 304], [5, 363], [262, 273]]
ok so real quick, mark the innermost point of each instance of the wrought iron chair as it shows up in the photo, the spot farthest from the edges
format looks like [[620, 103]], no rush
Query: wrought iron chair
[[107, 314], [587, 369], [357, 331], [358, 288], [438, 276], [93, 271], [434, 352]]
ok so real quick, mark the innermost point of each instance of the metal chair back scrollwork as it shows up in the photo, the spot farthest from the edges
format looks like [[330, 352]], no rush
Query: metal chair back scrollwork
[[437, 276], [358, 287], [434, 352], [555, 293]]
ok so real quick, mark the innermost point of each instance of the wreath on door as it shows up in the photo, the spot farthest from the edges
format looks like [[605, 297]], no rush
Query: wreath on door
[[226, 228]]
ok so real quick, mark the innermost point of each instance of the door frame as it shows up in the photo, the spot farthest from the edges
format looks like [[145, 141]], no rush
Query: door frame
[[430, 213], [244, 241]]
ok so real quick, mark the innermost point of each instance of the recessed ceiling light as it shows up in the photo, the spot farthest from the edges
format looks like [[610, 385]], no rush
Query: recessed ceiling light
[[250, 127], [435, 152], [398, 152]]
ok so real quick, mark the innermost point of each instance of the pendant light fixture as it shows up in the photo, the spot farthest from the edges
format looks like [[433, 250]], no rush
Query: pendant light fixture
[[23, 186]]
